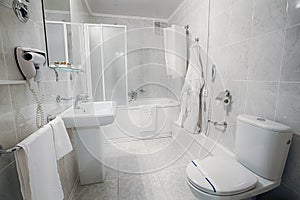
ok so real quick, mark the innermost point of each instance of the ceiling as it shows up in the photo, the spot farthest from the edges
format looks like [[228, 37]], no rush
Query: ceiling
[[141, 8]]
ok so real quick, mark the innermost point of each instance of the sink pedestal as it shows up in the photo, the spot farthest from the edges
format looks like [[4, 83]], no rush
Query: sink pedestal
[[90, 157], [87, 122]]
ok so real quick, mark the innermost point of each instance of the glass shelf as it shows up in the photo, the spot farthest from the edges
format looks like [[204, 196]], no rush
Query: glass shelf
[[64, 68]]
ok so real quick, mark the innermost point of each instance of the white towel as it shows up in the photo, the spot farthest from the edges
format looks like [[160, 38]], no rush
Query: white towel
[[62, 141], [147, 118], [169, 42], [194, 81], [37, 167], [175, 51]]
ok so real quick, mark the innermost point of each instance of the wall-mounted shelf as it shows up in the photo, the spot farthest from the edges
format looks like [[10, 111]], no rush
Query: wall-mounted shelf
[[12, 82], [64, 68]]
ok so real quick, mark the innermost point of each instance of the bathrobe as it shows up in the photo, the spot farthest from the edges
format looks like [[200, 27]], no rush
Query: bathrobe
[[194, 81]]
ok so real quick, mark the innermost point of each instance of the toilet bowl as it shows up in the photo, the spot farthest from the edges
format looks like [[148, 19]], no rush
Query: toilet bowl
[[261, 151]]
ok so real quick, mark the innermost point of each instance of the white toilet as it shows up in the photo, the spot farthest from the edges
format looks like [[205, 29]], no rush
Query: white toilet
[[261, 151]]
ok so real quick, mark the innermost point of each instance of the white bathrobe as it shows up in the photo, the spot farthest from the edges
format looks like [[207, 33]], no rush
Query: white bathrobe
[[193, 84]]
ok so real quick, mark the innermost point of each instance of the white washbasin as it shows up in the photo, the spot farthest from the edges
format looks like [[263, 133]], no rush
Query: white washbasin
[[90, 114]]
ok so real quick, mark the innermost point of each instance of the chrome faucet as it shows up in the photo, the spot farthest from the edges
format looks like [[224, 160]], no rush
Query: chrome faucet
[[133, 94], [80, 98]]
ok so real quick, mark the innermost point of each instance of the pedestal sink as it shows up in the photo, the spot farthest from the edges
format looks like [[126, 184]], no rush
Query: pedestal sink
[[89, 139]]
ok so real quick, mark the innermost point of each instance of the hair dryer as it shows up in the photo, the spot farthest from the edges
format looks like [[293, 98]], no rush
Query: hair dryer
[[30, 61]]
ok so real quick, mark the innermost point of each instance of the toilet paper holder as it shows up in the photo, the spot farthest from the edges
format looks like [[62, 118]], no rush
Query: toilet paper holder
[[224, 97]]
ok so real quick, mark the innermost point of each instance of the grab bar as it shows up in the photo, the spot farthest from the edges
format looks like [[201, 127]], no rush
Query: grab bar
[[216, 124]]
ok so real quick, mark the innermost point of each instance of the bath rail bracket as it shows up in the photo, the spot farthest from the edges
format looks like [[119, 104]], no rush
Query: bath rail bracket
[[8, 151]]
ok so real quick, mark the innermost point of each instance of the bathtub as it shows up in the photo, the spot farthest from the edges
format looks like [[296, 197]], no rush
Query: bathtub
[[126, 125]]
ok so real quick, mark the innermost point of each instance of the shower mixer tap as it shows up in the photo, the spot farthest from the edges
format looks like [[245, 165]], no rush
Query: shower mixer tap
[[133, 94], [80, 98]]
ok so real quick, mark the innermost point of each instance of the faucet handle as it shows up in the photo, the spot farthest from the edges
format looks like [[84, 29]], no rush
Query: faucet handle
[[142, 90]]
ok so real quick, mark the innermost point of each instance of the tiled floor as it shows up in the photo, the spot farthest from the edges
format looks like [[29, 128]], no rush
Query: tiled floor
[[141, 170]]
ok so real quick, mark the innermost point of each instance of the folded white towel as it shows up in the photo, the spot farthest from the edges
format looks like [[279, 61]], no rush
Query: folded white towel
[[37, 167], [62, 141]]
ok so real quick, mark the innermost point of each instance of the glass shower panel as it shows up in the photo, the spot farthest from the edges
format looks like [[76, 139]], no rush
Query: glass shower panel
[[114, 63], [95, 42], [55, 37]]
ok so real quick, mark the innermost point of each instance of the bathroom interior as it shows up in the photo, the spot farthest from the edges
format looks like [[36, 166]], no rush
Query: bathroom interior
[[148, 99]]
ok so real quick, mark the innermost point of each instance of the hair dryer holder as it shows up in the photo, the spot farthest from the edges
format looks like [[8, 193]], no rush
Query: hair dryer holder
[[27, 65]]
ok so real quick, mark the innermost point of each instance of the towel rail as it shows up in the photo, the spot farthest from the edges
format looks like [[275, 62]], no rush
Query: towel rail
[[8, 151], [16, 148]]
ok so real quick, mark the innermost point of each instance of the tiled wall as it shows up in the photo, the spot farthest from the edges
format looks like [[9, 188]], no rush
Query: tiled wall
[[256, 47], [17, 106], [145, 56]]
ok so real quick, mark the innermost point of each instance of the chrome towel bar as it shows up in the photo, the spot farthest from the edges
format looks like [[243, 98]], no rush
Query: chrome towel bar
[[16, 148], [7, 151]]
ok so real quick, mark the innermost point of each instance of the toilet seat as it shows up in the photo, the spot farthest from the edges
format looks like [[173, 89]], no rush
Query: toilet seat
[[220, 176]]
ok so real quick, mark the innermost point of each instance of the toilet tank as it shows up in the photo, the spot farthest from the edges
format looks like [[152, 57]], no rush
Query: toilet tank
[[262, 145]]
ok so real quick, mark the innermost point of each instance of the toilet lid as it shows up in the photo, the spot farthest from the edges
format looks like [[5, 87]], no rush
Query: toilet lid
[[220, 176]]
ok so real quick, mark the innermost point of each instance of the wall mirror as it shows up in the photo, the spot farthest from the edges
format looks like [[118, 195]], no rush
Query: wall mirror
[[58, 31]]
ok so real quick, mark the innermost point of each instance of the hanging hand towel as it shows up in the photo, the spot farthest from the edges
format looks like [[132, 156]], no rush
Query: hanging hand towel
[[62, 141], [37, 167], [169, 42], [175, 51]]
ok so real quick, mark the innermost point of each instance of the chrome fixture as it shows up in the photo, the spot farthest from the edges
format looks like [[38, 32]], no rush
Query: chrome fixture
[[213, 72], [217, 124], [133, 94], [50, 118], [20, 8], [80, 98], [187, 29], [7, 151], [224, 97], [59, 99]]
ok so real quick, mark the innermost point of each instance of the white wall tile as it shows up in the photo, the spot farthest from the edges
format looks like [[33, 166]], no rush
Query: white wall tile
[[269, 15], [288, 109], [261, 99], [219, 6], [240, 21], [237, 61], [220, 29], [265, 56], [291, 56]]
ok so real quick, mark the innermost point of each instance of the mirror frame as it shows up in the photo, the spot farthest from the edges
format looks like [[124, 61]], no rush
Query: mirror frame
[[45, 32]]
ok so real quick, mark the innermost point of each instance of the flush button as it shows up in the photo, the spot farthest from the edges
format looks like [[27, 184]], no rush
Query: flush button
[[261, 119]]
